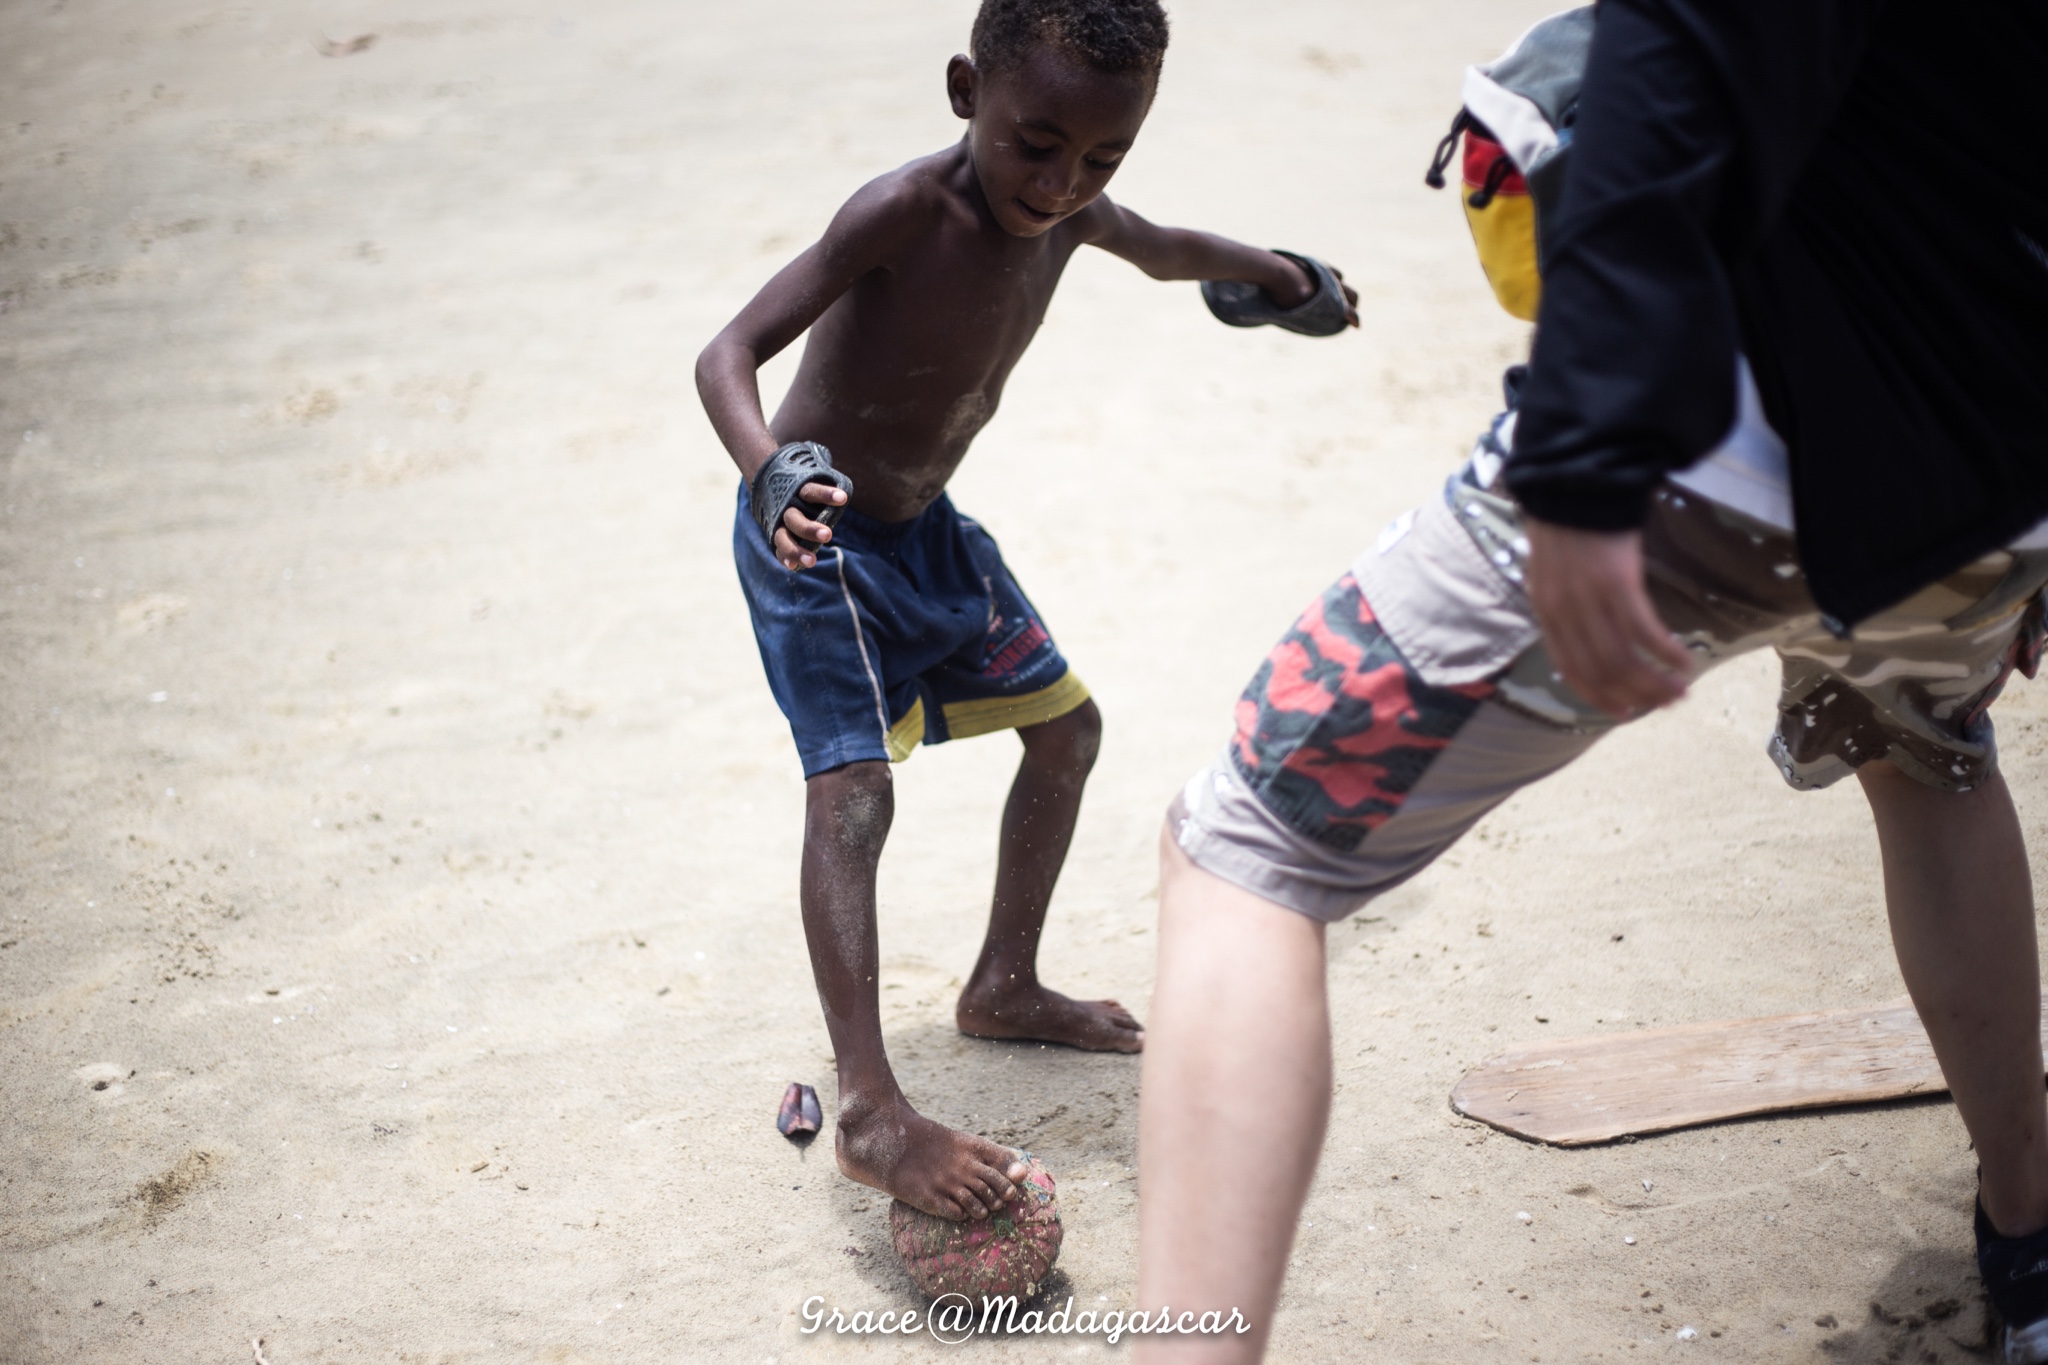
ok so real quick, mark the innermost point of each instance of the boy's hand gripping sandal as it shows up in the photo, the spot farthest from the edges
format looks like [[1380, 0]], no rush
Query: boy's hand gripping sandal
[[2015, 1271], [779, 484], [1243, 304]]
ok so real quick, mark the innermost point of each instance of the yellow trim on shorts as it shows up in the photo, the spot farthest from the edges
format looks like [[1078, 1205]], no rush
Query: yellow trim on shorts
[[965, 719], [906, 734]]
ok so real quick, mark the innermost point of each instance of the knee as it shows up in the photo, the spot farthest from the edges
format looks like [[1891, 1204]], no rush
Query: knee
[[1897, 795], [1066, 746], [1879, 780], [850, 809], [1889, 788]]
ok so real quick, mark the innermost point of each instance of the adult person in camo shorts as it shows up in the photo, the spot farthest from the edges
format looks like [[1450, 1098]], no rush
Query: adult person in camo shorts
[[1789, 389]]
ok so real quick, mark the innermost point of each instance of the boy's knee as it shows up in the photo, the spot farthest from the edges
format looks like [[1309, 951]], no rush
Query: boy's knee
[[1086, 739], [852, 806], [1067, 743]]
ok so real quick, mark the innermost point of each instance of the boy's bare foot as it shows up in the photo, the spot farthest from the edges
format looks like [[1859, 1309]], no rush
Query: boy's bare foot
[[1037, 1014], [927, 1165]]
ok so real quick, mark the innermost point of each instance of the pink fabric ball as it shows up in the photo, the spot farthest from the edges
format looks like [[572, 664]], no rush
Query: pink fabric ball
[[1008, 1252]]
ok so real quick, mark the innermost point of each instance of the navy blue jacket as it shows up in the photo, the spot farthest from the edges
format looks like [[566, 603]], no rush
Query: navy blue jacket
[[1854, 194]]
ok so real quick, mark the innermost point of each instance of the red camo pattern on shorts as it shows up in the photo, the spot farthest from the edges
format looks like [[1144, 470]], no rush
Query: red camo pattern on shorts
[[1336, 728]]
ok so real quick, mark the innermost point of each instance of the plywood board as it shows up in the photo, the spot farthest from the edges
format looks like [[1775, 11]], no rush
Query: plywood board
[[1584, 1090]]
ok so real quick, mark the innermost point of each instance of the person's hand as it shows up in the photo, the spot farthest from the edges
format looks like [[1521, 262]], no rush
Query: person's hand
[[1300, 287], [1603, 634], [796, 527]]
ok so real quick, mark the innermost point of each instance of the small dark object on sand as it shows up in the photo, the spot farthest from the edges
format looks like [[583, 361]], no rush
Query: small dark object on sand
[[329, 48], [800, 1112]]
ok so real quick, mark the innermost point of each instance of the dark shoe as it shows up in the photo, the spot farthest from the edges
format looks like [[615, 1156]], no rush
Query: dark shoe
[[2015, 1271], [1243, 304]]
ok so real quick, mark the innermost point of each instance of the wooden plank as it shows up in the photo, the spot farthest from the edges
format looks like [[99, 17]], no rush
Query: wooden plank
[[1584, 1090]]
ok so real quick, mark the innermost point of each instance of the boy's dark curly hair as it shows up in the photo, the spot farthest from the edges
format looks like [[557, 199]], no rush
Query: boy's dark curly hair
[[1109, 35]]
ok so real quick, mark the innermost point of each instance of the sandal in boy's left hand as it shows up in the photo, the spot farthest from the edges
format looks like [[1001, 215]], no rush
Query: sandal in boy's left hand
[[1319, 304]]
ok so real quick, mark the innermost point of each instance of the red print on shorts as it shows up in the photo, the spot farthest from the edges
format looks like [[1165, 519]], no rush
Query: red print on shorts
[[1336, 728]]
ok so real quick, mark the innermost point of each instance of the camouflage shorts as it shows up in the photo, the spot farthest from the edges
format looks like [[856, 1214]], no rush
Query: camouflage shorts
[[1415, 694]]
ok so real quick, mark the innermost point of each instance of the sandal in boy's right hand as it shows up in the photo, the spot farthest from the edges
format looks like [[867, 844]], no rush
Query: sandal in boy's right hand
[[799, 536], [795, 496]]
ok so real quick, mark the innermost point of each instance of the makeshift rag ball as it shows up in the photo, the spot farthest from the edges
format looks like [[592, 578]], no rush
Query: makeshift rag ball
[[1008, 1252]]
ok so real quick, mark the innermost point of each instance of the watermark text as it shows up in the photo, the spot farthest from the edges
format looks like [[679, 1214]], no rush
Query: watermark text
[[954, 1318]]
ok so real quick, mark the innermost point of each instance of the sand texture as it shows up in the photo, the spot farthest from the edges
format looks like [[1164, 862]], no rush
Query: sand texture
[[399, 956]]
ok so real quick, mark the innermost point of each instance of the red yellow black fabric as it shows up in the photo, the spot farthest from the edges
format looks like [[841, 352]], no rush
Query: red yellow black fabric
[[1502, 217]]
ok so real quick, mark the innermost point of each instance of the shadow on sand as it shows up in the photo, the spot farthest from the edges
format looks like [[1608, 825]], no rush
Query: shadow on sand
[[1928, 1310]]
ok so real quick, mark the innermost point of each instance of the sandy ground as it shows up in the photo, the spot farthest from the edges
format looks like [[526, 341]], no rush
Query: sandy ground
[[397, 849]]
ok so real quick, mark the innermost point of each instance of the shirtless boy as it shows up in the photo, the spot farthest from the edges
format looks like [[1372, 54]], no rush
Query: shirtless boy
[[886, 618]]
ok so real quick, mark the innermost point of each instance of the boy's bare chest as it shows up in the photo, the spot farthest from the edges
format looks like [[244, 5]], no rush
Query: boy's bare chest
[[958, 312]]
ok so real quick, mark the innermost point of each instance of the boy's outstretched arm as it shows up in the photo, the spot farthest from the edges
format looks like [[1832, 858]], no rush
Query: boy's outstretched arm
[[1183, 254], [863, 236]]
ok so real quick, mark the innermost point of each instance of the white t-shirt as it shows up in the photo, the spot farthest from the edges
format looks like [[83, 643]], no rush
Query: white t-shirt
[[1751, 471]]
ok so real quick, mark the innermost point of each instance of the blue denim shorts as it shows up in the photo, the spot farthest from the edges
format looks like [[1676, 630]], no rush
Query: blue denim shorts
[[904, 633]]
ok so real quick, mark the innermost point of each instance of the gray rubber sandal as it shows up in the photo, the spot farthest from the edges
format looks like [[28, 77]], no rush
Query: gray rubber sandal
[[1243, 304], [779, 483]]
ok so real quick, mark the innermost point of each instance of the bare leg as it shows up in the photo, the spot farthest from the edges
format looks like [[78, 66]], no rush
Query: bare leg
[[1962, 913], [1231, 1115], [1003, 998], [881, 1141]]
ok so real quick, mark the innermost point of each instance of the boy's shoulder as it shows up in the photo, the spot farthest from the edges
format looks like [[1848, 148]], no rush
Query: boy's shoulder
[[916, 194]]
